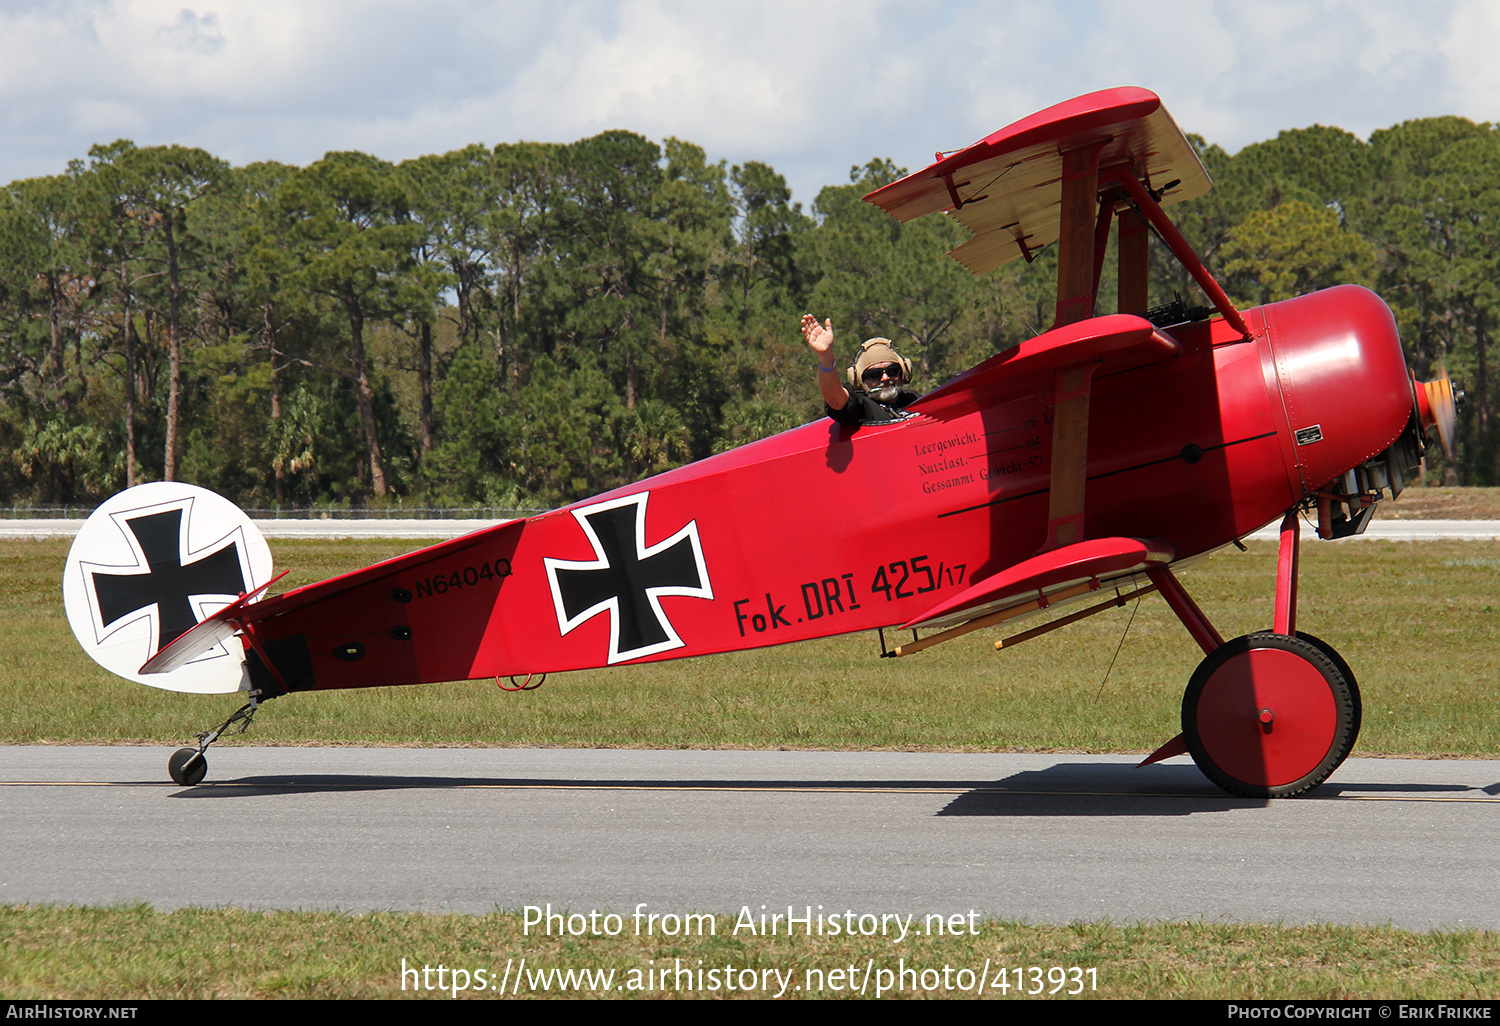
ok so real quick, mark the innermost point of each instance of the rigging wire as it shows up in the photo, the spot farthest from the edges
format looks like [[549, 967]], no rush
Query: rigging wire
[[1121, 645]]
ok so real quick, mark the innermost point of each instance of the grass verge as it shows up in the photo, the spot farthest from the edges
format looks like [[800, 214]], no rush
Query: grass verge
[[135, 952], [1416, 621]]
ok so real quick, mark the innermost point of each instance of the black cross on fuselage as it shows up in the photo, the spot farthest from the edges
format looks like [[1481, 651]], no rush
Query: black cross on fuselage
[[168, 582], [627, 577]]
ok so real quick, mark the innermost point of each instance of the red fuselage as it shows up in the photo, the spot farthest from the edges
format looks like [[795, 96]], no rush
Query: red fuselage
[[826, 529]]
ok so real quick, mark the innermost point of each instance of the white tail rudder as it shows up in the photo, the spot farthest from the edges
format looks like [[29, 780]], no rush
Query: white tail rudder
[[148, 565]]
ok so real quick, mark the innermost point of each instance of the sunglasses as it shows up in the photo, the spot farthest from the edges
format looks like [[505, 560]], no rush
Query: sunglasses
[[885, 370]]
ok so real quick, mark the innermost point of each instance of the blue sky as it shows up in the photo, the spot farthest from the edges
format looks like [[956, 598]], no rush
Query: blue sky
[[808, 86]]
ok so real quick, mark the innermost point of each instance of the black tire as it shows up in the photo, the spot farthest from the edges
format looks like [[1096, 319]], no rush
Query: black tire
[[1343, 668], [187, 767], [1269, 716]]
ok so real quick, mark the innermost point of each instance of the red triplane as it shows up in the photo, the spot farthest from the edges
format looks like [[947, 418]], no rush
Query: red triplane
[[1084, 464]]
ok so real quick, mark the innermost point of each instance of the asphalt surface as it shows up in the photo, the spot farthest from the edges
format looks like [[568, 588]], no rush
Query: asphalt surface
[[1043, 838]]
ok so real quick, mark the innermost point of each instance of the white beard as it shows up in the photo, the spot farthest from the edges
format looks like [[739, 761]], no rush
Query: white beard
[[886, 393]]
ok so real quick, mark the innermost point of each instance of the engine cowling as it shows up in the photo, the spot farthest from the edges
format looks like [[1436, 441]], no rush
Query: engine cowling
[[1356, 416]]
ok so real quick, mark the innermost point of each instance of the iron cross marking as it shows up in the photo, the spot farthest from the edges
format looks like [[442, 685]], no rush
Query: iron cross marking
[[627, 578], [169, 582]]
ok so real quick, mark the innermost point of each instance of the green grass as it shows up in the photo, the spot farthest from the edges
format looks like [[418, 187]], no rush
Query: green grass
[[135, 952], [1416, 621]]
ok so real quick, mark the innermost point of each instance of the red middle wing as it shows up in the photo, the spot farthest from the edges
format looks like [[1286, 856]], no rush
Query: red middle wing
[[1122, 341]]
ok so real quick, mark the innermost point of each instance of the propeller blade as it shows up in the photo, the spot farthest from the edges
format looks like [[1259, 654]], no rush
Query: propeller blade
[[1442, 401]]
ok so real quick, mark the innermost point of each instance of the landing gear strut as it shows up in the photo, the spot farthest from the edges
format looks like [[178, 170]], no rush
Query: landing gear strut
[[187, 766], [1266, 715]]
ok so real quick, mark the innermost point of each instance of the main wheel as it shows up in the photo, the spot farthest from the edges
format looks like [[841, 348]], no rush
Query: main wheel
[[187, 766], [1268, 716]]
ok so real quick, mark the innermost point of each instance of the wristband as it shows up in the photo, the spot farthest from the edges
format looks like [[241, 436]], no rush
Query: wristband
[[827, 370]]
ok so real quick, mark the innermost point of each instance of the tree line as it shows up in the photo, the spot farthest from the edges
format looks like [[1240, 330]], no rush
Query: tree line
[[531, 323]]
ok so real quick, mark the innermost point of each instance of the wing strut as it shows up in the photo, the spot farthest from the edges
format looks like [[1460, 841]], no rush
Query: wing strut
[[1075, 246], [1153, 213], [1077, 281], [1135, 252], [1063, 621], [1070, 456]]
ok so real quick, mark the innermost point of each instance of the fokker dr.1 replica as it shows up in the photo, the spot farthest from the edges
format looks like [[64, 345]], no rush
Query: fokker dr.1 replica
[[1087, 463]]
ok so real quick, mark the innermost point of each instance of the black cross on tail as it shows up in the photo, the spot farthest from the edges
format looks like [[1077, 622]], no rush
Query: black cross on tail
[[168, 582], [627, 578]]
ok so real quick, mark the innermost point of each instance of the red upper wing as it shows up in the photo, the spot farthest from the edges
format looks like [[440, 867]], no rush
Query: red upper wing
[[1007, 188]]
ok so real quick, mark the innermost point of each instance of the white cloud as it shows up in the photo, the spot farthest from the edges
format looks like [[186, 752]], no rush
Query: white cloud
[[192, 31], [1474, 76], [809, 86], [99, 119], [730, 74]]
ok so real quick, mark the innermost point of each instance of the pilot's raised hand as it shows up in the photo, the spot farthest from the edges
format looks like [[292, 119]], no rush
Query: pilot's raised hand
[[820, 341], [819, 336]]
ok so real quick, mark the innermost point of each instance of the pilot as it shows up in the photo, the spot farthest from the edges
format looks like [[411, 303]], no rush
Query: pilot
[[872, 389]]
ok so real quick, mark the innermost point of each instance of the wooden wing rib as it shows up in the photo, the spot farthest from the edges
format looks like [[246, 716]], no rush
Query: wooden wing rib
[[1007, 188]]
